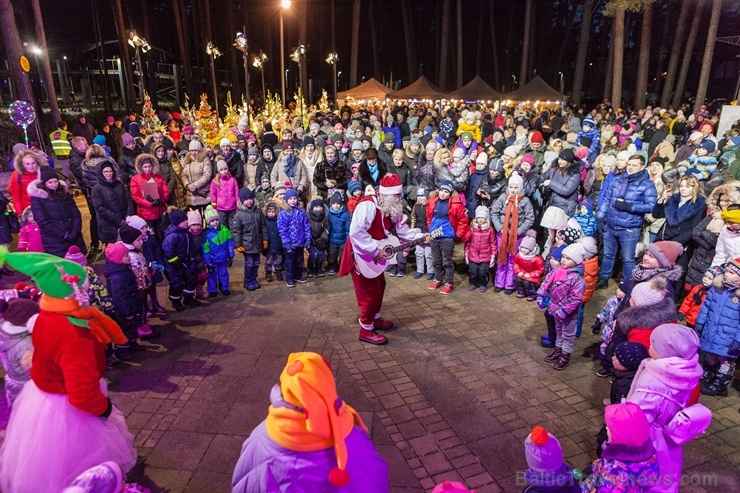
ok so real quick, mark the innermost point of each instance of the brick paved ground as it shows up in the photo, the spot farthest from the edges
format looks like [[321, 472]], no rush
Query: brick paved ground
[[452, 396]]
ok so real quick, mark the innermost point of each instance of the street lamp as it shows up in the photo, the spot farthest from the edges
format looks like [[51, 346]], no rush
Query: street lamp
[[285, 4], [213, 53], [332, 60], [259, 62], [298, 53], [140, 46], [561, 82], [241, 44]]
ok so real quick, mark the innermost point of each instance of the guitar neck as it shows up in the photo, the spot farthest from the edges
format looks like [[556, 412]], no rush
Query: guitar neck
[[410, 244]]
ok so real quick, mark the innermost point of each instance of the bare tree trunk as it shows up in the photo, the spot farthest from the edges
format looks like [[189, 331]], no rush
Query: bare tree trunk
[[45, 64], [184, 51], [618, 56], [375, 40], [706, 64], [643, 63], [526, 35], [675, 53], [408, 31], [9, 31], [496, 75], [609, 65], [355, 43], [669, 23], [687, 54], [125, 56], [444, 44], [460, 60], [583, 39]]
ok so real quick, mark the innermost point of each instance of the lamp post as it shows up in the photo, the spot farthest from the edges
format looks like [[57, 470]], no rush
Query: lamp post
[[298, 53], [259, 62], [561, 82], [241, 44], [285, 4], [140, 46], [213, 53], [332, 60]]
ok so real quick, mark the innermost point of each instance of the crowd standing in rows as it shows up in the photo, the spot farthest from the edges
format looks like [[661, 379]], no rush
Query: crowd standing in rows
[[545, 205]]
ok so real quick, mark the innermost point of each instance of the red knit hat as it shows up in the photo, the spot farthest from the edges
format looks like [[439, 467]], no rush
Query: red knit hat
[[666, 252], [391, 185], [537, 138]]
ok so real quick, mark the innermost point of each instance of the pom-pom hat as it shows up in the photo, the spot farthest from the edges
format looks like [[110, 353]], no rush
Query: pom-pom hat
[[75, 255], [210, 214], [543, 451]]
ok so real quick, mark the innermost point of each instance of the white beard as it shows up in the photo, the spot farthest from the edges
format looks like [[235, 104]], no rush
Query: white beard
[[391, 206]]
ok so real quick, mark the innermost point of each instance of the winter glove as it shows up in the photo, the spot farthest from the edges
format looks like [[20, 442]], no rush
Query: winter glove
[[264, 244], [596, 327], [240, 249], [691, 172], [560, 314], [623, 205], [231, 261], [209, 268], [156, 266], [149, 198], [734, 350], [156, 202], [541, 302]]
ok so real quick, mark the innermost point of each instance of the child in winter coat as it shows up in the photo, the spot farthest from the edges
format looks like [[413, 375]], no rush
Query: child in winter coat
[[606, 317], [218, 253], [317, 217], [29, 238], [16, 349], [480, 250], [249, 229], [295, 233], [224, 193], [264, 192], [195, 229], [718, 325], [181, 269], [152, 251], [339, 221], [272, 246], [626, 360], [565, 286], [628, 459], [423, 251], [692, 303], [134, 241], [529, 267], [121, 284], [700, 164], [354, 190], [590, 275], [586, 218], [547, 472]]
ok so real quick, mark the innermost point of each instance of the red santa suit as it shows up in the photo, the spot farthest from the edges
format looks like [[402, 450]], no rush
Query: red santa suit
[[368, 226]]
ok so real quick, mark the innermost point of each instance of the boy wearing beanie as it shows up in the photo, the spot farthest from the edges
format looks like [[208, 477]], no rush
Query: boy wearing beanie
[[272, 247], [295, 233], [586, 217], [317, 217], [626, 360], [339, 221], [547, 472], [218, 253], [264, 192], [121, 284], [16, 349], [249, 231], [423, 251], [181, 268], [354, 192], [628, 462], [480, 250], [529, 267]]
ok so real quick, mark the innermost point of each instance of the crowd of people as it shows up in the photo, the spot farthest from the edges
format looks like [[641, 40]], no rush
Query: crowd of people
[[545, 205]]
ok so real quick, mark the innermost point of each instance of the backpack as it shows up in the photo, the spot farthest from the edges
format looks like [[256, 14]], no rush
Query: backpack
[[688, 423]]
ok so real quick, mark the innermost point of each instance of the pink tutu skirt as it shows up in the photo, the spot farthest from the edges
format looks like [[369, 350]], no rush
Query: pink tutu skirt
[[49, 442]]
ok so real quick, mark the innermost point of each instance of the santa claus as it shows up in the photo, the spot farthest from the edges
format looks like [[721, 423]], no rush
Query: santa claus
[[373, 220]]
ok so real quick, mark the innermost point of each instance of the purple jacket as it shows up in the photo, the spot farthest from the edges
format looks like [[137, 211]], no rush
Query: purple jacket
[[661, 388], [266, 466], [224, 193], [565, 294], [623, 469]]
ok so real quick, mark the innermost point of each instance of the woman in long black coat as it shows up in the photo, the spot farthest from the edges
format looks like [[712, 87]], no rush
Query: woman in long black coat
[[56, 213], [112, 202]]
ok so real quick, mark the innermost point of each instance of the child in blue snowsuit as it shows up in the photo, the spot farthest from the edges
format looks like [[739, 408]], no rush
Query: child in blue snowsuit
[[218, 253], [295, 233], [181, 266], [339, 220], [586, 218], [590, 131]]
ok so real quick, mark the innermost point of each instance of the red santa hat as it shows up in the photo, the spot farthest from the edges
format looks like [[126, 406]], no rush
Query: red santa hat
[[391, 185]]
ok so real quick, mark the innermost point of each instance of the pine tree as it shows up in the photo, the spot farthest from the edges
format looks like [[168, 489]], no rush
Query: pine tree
[[149, 120]]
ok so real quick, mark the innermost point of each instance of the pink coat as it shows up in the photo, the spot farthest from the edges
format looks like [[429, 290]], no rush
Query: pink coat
[[481, 247], [29, 239], [661, 388], [224, 193], [535, 267]]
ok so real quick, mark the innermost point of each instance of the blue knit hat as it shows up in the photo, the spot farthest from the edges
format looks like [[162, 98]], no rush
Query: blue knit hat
[[177, 216], [588, 204], [589, 121], [99, 139], [557, 254], [245, 193], [354, 185], [290, 193]]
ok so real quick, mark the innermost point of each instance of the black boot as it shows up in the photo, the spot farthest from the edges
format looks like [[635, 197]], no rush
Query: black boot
[[177, 304], [602, 283], [279, 275], [191, 301], [268, 275]]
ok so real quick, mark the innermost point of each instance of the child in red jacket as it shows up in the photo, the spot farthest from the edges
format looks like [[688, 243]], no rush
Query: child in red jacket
[[480, 250], [692, 303], [528, 267]]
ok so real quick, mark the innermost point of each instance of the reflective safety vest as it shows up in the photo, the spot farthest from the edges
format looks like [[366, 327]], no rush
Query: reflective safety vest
[[60, 143]]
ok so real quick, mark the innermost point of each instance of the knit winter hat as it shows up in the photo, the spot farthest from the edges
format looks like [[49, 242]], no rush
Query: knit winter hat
[[512, 151], [649, 292], [585, 142], [46, 173], [357, 146], [194, 218], [278, 190], [308, 386], [128, 235], [447, 186], [287, 144], [466, 136], [253, 151], [17, 311], [515, 179], [353, 186], [127, 139], [708, 145], [195, 145], [224, 142], [482, 211], [527, 158], [627, 424], [666, 252], [694, 136], [733, 265], [75, 255], [99, 139], [289, 194], [543, 451], [177, 216], [588, 204], [414, 140], [567, 155], [589, 245], [307, 139], [529, 241], [115, 252], [422, 192], [210, 214], [222, 165], [245, 193], [482, 159], [570, 235], [536, 137], [669, 340], [336, 198], [136, 222], [55, 277], [557, 254], [589, 120], [458, 153], [631, 354], [575, 252]]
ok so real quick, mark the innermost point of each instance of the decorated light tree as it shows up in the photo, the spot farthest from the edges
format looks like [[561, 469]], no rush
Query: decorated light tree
[[301, 110], [207, 125], [149, 120], [272, 112], [324, 102]]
